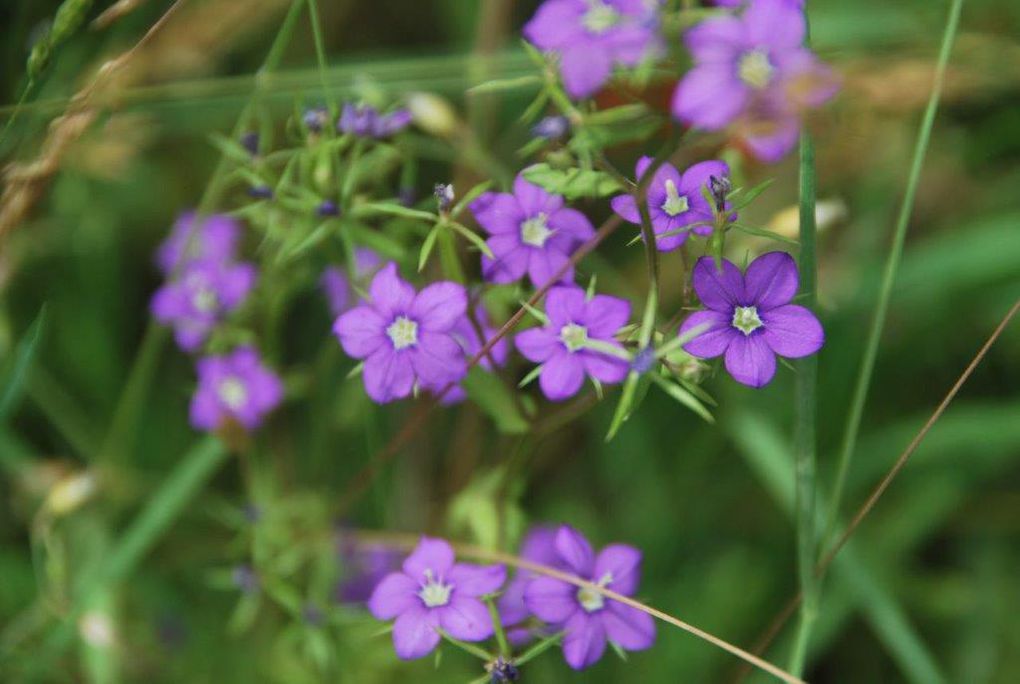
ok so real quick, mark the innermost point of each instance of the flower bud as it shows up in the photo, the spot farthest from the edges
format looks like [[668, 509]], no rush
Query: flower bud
[[433, 114]]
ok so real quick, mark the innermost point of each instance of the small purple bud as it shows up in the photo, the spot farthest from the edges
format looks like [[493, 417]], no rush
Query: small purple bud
[[252, 513], [643, 361], [261, 192], [250, 142], [551, 128], [312, 615], [315, 119], [245, 579], [406, 197], [501, 670], [444, 195], [328, 208], [720, 187]]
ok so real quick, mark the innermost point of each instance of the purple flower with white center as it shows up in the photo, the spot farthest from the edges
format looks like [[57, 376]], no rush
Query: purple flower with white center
[[538, 546], [237, 387], [590, 36], [749, 317], [212, 238], [562, 345], [405, 337], [587, 617], [753, 69], [337, 286], [466, 335], [531, 232], [675, 201], [432, 591], [365, 121], [195, 301]]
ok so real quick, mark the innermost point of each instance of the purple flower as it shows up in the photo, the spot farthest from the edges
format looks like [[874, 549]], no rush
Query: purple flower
[[551, 128], [195, 301], [364, 566], [250, 142], [538, 546], [753, 69], [750, 318], [213, 238], [590, 36], [675, 201], [236, 386], [588, 618], [532, 232], [405, 337], [365, 121], [562, 346], [432, 591], [315, 119], [466, 335], [337, 286]]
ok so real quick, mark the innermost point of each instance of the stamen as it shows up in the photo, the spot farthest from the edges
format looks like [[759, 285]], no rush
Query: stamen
[[403, 332], [600, 17], [755, 69], [434, 593], [535, 231], [675, 202], [746, 319], [233, 393], [573, 336]]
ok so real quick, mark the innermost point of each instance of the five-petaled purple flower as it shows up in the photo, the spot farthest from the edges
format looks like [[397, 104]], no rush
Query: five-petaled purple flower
[[434, 592], [236, 386], [365, 121], [750, 318], [753, 69], [675, 201], [405, 337], [198, 298], [563, 346], [532, 232], [467, 337], [590, 36], [588, 618], [538, 546], [336, 284], [212, 238]]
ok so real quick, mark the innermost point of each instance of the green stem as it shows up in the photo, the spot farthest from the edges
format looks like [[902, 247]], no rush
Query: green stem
[[860, 395], [466, 647], [805, 392], [497, 625], [320, 49]]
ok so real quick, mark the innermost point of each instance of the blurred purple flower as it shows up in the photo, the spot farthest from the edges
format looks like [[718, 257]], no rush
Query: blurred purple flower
[[753, 69], [589, 619], [538, 546], [466, 335], [750, 318], [213, 238], [562, 345], [365, 121], [590, 36], [551, 128], [432, 591], [337, 286], [675, 201], [327, 208], [364, 566], [195, 301], [236, 386], [250, 142], [315, 118], [531, 232], [245, 579], [405, 337]]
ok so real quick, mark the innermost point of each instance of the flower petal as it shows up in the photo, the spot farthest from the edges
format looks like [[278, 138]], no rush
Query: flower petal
[[497, 212], [361, 331], [718, 290], [750, 360], [585, 641], [466, 618], [605, 315], [431, 554], [388, 375], [718, 40], [575, 551], [551, 600], [562, 376], [439, 306], [771, 280], [511, 260], [709, 97], [584, 70], [628, 627], [437, 359], [793, 331], [534, 199], [545, 264], [389, 292], [565, 304], [771, 139], [395, 594], [414, 633], [537, 344], [556, 23], [626, 207], [714, 340], [777, 24], [571, 222], [604, 368], [475, 580], [622, 563]]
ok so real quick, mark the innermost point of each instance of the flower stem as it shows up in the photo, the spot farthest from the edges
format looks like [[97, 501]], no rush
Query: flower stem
[[476, 651], [860, 395], [497, 626], [805, 398]]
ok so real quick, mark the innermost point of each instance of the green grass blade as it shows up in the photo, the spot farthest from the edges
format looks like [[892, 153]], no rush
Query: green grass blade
[[13, 384]]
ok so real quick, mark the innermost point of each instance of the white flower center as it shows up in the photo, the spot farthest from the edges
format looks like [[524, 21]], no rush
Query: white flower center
[[233, 393], [535, 231], [746, 320], [403, 332], [592, 600], [573, 336], [434, 593], [600, 17], [204, 300], [755, 69], [675, 202]]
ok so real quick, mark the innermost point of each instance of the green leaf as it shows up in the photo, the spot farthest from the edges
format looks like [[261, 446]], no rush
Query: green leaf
[[763, 233], [397, 210], [14, 379], [616, 114], [505, 84], [426, 247], [230, 148], [572, 183], [471, 195], [492, 396], [683, 396], [472, 237], [748, 196]]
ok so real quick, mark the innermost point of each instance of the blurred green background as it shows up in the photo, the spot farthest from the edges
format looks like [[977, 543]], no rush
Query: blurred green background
[[928, 591]]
